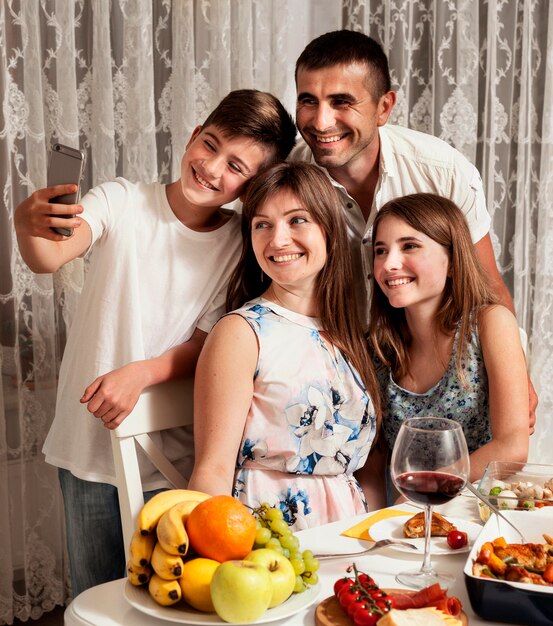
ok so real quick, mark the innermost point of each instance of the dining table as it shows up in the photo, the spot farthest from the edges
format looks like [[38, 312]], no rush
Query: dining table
[[106, 605]]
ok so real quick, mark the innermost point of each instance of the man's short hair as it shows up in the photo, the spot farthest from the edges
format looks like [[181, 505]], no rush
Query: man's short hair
[[346, 47], [257, 115]]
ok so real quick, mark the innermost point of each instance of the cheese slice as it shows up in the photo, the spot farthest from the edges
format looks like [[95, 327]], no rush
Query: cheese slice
[[429, 616]]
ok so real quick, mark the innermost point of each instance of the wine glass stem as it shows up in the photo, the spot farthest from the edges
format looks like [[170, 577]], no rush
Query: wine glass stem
[[426, 564]]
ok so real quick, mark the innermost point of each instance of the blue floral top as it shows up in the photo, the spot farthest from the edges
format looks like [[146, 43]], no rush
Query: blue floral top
[[448, 398], [311, 423]]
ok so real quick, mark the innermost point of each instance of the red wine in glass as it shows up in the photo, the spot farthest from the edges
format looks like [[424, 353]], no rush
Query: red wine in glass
[[429, 466], [429, 487]]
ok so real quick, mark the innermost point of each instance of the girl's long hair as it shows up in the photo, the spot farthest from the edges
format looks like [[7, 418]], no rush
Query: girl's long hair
[[336, 300], [467, 290]]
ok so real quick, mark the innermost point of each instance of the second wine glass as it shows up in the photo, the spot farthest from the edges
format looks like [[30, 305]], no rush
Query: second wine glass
[[429, 466]]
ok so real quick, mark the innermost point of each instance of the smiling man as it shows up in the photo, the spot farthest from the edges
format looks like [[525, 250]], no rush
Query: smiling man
[[343, 104]]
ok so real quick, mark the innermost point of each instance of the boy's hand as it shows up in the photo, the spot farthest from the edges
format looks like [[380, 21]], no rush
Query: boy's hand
[[35, 216], [112, 397]]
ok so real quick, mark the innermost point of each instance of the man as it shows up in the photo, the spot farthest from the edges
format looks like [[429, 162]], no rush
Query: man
[[344, 101]]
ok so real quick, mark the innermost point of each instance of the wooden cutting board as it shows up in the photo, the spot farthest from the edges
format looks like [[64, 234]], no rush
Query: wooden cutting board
[[330, 613]]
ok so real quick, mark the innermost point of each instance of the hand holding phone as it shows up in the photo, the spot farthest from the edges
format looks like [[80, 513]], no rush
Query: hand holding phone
[[65, 167]]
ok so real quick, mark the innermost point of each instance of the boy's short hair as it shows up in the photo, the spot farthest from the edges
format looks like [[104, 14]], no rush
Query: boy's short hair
[[346, 47], [257, 115]]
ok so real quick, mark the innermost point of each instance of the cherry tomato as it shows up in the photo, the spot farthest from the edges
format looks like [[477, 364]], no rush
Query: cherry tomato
[[346, 592], [376, 593], [364, 616], [383, 605], [366, 581], [390, 602], [457, 539], [341, 583], [348, 599]]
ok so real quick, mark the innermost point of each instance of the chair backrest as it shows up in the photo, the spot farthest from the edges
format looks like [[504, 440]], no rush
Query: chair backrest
[[162, 406]]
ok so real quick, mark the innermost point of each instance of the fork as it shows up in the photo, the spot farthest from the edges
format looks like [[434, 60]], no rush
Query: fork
[[376, 546]]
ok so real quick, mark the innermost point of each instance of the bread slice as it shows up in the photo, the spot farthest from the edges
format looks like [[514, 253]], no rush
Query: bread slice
[[429, 616], [414, 526]]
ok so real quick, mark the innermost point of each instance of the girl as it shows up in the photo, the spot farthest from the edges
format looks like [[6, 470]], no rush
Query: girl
[[283, 409], [450, 349]]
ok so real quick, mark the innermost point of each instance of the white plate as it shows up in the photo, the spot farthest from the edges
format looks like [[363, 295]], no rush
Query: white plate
[[140, 599], [392, 528]]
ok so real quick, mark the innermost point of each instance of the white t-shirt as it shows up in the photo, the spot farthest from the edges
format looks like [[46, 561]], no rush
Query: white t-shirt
[[410, 162], [150, 283]]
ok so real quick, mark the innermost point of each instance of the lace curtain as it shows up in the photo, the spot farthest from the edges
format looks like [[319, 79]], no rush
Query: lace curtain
[[128, 80]]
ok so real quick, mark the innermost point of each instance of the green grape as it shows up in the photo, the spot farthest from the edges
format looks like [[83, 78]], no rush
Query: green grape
[[307, 554], [300, 585], [262, 536], [279, 526], [286, 552], [312, 564], [291, 542], [298, 565], [274, 544], [310, 578], [294, 554], [274, 514]]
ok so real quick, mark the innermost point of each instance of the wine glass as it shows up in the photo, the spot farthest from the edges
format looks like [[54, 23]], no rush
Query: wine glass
[[430, 465]]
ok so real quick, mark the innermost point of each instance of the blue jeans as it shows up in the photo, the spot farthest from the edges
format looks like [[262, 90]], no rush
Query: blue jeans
[[93, 531]]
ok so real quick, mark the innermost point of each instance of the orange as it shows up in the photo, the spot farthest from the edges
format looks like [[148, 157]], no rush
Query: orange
[[221, 528], [195, 583]]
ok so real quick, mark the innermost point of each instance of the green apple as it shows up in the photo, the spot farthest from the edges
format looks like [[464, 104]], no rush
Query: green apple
[[241, 591], [282, 573]]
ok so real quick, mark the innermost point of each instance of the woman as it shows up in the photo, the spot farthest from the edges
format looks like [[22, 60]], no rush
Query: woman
[[449, 349], [283, 409]]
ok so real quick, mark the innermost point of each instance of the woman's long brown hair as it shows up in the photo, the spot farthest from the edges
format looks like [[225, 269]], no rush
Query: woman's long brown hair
[[336, 299], [467, 290]]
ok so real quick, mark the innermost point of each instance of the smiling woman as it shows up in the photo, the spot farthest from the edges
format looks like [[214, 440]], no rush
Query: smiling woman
[[440, 334], [293, 418]]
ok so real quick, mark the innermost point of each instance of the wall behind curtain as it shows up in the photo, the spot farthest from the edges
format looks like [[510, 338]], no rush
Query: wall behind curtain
[[128, 80]]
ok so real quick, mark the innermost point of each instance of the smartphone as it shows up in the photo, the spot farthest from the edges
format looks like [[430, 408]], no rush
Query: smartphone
[[65, 166]]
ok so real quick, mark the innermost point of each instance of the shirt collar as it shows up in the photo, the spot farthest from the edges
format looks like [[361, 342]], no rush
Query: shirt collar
[[387, 161]]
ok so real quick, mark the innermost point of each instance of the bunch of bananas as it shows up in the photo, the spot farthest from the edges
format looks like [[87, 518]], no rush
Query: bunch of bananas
[[159, 543]]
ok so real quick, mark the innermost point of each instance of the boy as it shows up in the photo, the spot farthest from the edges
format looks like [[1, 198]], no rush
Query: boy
[[160, 258]]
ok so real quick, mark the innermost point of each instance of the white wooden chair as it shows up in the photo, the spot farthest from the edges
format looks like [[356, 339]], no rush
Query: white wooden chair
[[163, 406]]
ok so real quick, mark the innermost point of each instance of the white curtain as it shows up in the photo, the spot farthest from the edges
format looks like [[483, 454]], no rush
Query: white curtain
[[127, 81]]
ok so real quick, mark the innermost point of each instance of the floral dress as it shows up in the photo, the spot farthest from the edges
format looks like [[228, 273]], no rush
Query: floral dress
[[466, 404], [311, 423]]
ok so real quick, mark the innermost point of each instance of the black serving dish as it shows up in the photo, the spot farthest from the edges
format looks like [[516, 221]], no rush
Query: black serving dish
[[505, 601]]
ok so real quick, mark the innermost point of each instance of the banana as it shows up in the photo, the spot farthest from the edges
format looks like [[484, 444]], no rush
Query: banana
[[164, 592], [141, 548], [167, 566], [155, 507], [137, 574], [171, 532]]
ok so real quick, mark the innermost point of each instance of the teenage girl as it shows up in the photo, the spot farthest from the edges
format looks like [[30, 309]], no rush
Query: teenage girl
[[448, 349]]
